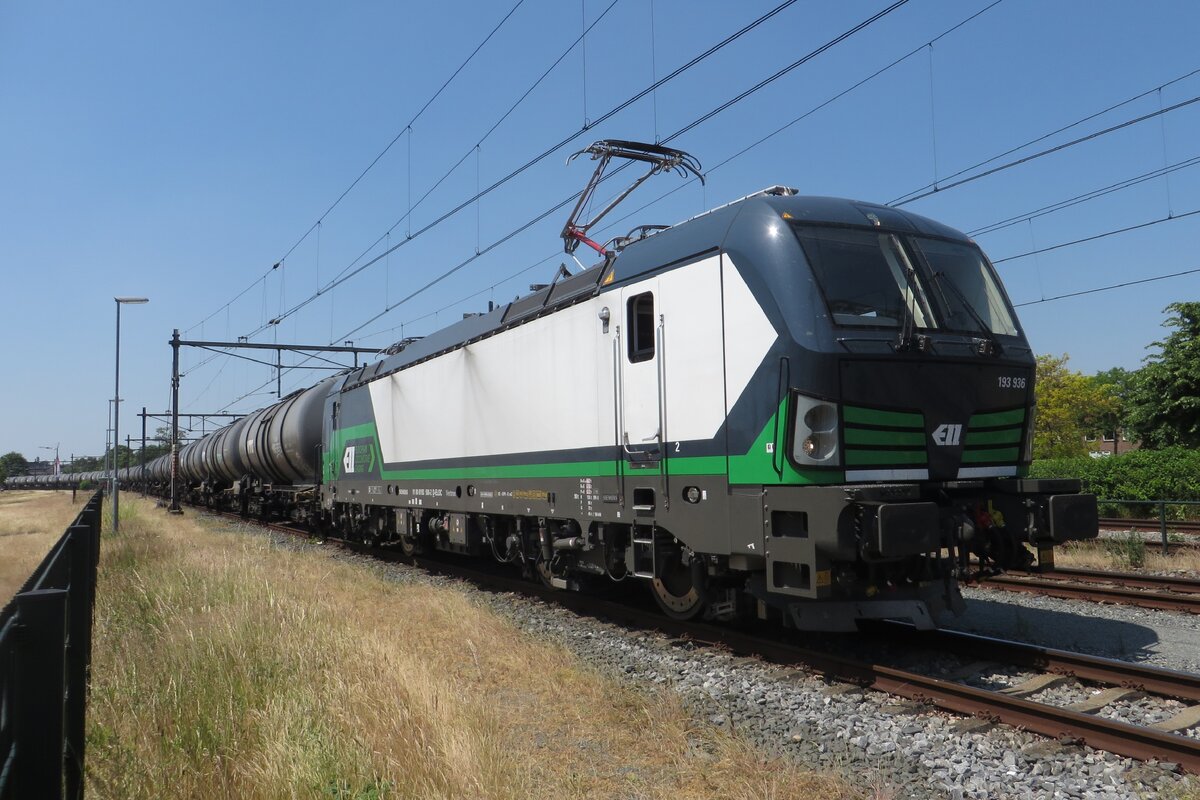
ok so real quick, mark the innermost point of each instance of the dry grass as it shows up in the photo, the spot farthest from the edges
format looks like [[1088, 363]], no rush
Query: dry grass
[[30, 523], [1127, 553], [225, 667]]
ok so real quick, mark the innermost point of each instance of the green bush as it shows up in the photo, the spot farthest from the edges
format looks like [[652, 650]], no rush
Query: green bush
[[1169, 474], [1128, 550]]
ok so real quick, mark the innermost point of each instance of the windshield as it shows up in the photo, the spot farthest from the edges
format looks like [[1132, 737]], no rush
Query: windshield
[[868, 278], [970, 283]]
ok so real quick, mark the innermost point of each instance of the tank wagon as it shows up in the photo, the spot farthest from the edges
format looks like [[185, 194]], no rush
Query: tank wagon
[[63, 481], [806, 407]]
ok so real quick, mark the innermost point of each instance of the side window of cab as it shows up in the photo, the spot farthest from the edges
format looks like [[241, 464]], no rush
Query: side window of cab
[[640, 314]]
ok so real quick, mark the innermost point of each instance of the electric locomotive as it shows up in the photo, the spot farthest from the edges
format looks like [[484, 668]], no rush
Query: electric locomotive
[[808, 408]]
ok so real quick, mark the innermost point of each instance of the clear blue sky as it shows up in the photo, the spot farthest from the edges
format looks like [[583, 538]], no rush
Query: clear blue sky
[[179, 150]]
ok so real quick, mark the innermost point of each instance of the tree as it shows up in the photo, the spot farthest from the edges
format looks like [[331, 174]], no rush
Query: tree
[[1069, 405], [13, 464], [86, 464], [1120, 384], [125, 456], [1166, 400]]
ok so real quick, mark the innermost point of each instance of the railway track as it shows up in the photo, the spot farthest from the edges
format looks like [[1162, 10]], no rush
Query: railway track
[[1163, 593], [1012, 705]]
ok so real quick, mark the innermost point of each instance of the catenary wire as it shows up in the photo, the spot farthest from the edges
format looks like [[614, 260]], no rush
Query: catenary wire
[[1088, 196], [796, 120], [474, 148], [1108, 288], [1048, 151], [987, 229], [429, 191], [547, 152], [493, 287], [375, 161], [1046, 136], [1105, 234], [719, 109], [699, 120], [1085, 197]]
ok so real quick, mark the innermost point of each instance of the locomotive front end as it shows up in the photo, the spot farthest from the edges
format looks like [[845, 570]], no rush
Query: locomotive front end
[[909, 420]]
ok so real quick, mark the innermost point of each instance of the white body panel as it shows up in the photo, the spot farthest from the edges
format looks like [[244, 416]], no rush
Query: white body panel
[[693, 353], [748, 333], [524, 390], [542, 379]]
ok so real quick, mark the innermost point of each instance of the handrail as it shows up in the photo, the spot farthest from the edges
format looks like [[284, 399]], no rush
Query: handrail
[[619, 414], [663, 444]]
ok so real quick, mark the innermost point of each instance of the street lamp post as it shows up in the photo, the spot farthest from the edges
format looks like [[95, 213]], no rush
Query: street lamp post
[[108, 451], [117, 408], [55, 449]]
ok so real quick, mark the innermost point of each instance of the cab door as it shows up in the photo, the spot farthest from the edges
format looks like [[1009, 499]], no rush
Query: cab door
[[639, 353]]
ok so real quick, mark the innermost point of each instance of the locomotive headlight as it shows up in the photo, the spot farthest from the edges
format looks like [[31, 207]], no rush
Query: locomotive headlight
[[816, 435], [819, 446], [821, 418]]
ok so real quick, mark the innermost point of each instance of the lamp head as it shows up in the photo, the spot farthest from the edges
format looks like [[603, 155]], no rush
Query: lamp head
[[132, 300]]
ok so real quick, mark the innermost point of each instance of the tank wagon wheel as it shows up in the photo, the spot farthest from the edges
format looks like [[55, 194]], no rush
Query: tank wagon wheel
[[409, 546], [680, 588]]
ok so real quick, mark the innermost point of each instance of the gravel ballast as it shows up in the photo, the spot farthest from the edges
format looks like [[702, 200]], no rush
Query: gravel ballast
[[885, 745], [1163, 638]]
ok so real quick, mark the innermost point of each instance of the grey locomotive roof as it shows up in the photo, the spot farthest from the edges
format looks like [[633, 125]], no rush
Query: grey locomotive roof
[[711, 230], [838, 211], [677, 244]]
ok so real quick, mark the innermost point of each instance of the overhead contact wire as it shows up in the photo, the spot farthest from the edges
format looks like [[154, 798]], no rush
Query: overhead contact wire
[[1049, 151], [703, 118], [411, 206], [719, 109], [1085, 197], [1093, 238], [563, 142], [1053, 133], [407, 127], [377, 158], [574, 196], [805, 115], [1108, 288]]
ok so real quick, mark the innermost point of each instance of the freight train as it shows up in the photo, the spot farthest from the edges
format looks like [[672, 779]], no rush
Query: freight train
[[813, 409]]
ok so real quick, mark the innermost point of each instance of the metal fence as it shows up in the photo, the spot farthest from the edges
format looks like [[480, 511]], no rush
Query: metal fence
[[1163, 516], [45, 656]]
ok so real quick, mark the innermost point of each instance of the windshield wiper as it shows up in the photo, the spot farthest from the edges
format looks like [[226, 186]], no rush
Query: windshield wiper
[[991, 344], [909, 338]]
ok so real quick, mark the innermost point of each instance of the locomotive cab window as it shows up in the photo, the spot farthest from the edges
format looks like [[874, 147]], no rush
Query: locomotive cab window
[[866, 277], [878, 279], [641, 327], [964, 285]]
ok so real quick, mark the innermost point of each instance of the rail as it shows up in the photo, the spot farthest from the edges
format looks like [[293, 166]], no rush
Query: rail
[[45, 659]]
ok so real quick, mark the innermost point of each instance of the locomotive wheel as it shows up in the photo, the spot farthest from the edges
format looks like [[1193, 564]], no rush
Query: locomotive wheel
[[542, 568], [680, 589]]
